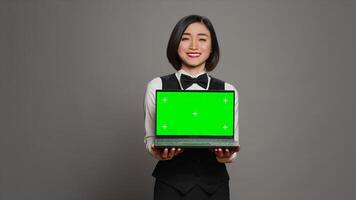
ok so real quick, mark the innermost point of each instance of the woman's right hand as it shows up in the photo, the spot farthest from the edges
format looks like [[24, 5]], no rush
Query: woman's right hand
[[166, 153]]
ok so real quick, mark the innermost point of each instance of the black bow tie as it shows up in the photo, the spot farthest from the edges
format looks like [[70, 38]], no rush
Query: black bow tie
[[187, 81]]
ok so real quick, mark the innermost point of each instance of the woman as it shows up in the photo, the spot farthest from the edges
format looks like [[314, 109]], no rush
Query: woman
[[193, 51]]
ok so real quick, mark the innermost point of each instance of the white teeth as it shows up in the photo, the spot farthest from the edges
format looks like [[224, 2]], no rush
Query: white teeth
[[194, 54]]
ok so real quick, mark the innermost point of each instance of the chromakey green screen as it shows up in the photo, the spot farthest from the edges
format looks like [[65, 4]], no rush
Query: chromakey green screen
[[194, 113]]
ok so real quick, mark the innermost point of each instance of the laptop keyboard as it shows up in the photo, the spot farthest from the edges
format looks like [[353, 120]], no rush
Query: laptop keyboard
[[195, 142]]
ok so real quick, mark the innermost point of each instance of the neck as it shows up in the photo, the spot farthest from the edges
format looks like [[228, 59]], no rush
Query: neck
[[194, 70]]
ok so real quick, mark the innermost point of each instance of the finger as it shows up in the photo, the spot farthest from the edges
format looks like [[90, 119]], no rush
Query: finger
[[237, 149], [165, 153], [232, 150], [172, 152], [156, 150], [178, 151], [181, 151], [227, 153], [153, 147], [218, 152]]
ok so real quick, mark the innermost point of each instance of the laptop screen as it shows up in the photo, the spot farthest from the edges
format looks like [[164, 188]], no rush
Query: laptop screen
[[197, 113]]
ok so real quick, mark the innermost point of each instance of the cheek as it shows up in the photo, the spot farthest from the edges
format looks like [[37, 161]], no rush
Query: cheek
[[206, 48], [181, 52], [182, 47]]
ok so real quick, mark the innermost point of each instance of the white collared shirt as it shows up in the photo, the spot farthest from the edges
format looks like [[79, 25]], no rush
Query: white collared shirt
[[149, 109]]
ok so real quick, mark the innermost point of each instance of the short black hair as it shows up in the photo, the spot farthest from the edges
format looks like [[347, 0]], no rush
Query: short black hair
[[176, 36]]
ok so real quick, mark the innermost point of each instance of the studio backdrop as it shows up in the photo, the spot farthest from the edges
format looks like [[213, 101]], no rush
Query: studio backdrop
[[74, 74]]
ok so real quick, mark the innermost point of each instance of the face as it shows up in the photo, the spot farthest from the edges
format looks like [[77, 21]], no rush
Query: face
[[195, 46]]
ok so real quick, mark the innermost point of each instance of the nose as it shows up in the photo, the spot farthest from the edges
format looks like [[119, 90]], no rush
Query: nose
[[193, 44]]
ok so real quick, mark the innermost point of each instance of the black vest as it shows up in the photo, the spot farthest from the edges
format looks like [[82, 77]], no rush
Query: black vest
[[192, 166]]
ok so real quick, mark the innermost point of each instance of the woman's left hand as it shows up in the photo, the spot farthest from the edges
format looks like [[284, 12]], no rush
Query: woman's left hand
[[225, 153]]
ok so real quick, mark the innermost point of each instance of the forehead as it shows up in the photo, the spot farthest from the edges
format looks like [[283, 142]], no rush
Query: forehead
[[196, 28]]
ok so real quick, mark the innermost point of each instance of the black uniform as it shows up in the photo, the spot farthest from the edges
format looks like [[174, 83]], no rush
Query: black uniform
[[195, 173]]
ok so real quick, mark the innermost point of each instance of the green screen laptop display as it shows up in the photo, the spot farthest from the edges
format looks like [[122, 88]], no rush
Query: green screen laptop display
[[195, 113]]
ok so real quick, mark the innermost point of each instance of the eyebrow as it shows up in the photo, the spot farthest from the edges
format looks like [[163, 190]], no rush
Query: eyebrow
[[203, 34]]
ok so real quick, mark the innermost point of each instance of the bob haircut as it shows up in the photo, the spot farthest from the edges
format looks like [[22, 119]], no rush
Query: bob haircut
[[176, 36]]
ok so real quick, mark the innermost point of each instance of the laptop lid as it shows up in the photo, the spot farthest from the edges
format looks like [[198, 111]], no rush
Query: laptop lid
[[195, 113]]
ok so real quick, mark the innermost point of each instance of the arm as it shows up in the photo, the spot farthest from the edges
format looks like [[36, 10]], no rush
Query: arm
[[150, 118], [229, 155], [149, 113]]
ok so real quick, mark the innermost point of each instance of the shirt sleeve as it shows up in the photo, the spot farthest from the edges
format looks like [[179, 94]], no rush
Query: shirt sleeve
[[150, 112], [236, 124]]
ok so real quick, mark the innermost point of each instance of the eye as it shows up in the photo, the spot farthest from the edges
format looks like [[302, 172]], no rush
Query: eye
[[203, 40], [183, 39]]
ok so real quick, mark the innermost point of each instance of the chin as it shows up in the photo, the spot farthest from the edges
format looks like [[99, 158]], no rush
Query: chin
[[193, 65]]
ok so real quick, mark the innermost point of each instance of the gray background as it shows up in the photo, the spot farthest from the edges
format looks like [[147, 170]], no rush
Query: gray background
[[73, 77]]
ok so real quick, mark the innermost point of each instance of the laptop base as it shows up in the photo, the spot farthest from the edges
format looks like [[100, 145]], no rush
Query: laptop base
[[195, 143]]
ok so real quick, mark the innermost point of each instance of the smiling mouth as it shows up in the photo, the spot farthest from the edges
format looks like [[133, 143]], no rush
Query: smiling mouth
[[193, 55]]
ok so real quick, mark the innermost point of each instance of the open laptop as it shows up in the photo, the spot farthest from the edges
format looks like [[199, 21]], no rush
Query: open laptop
[[195, 118]]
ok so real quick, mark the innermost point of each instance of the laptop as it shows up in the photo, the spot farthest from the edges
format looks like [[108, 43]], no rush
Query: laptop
[[195, 118]]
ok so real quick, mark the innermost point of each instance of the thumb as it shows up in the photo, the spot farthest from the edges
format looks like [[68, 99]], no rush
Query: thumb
[[153, 147]]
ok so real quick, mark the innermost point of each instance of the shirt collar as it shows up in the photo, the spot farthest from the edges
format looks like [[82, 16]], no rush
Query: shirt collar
[[182, 71]]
